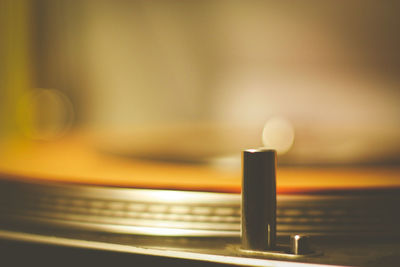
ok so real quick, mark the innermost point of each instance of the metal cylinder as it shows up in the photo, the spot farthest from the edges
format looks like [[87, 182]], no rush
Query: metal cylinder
[[300, 244], [259, 199]]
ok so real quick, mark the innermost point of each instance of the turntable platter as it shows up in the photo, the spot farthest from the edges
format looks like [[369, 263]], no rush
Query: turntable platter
[[73, 161]]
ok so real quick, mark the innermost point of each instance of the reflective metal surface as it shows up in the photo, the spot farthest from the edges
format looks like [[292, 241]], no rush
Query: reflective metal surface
[[300, 244], [259, 199], [167, 212], [204, 256], [199, 225]]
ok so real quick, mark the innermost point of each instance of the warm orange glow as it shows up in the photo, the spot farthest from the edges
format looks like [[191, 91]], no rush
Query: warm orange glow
[[72, 161]]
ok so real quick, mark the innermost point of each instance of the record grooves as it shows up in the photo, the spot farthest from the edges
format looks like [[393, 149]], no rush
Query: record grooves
[[186, 213]]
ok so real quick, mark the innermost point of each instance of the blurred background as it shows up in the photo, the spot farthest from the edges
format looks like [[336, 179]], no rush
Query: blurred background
[[198, 81]]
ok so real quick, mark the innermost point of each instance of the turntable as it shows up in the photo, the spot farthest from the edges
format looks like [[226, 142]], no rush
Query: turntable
[[116, 118], [64, 195]]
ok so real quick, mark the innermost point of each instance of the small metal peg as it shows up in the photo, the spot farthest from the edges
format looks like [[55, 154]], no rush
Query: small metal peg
[[300, 244]]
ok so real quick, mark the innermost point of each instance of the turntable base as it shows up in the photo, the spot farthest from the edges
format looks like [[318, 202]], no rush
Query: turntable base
[[48, 247]]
